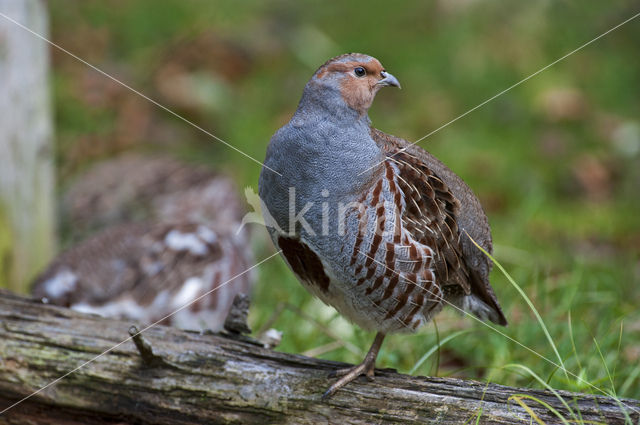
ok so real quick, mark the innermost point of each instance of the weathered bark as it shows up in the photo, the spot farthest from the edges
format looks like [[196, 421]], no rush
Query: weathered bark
[[27, 219], [194, 378]]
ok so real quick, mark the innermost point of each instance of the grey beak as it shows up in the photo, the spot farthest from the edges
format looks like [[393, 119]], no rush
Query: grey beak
[[388, 80]]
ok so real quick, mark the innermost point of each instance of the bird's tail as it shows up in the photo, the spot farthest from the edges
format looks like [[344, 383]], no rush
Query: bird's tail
[[482, 301]]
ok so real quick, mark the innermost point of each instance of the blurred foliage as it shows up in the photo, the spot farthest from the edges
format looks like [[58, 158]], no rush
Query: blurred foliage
[[554, 161]]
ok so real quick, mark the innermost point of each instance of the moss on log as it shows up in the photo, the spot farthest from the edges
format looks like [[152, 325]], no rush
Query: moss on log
[[216, 378]]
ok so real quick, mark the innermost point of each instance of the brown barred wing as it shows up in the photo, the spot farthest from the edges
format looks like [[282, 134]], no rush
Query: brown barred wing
[[433, 215], [430, 216]]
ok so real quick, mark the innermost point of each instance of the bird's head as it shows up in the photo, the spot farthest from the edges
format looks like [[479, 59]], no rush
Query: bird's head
[[354, 79]]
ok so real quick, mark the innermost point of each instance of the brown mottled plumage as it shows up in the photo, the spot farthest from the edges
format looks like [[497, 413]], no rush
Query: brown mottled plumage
[[434, 211], [145, 272], [164, 233], [125, 189]]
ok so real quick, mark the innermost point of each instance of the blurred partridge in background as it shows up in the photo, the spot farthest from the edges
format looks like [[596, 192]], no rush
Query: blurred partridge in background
[[170, 232]]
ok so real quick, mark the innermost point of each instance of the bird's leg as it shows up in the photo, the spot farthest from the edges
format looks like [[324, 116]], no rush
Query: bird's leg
[[367, 368]]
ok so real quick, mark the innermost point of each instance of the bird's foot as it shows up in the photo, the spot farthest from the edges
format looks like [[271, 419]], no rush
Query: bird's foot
[[366, 368], [349, 374], [347, 370]]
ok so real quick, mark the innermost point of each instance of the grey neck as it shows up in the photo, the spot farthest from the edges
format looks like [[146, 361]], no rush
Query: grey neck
[[314, 100]]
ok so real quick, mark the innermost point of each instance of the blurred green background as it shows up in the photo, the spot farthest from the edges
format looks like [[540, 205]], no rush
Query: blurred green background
[[554, 161]]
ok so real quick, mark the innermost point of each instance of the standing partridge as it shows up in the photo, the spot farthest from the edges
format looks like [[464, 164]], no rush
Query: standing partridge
[[374, 226]]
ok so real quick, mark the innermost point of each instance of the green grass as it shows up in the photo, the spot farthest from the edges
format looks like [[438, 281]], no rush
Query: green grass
[[561, 192]]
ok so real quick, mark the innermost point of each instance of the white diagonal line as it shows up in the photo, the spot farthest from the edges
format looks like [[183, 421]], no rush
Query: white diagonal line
[[175, 114], [506, 90], [136, 334], [500, 332]]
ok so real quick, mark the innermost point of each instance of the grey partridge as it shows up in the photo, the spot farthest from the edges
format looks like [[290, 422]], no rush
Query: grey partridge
[[145, 272], [167, 232], [374, 226]]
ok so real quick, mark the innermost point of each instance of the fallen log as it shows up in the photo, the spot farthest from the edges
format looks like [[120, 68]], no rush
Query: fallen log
[[172, 377]]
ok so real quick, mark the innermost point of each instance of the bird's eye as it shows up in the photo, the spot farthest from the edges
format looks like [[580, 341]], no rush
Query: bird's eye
[[360, 72]]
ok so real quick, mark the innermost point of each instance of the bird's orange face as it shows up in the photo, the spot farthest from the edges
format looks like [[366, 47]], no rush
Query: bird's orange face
[[359, 81]]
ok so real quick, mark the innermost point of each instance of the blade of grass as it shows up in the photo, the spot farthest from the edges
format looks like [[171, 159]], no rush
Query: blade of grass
[[518, 399], [529, 303], [606, 368], [553, 372], [615, 364], [476, 416], [573, 345], [545, 385], [632, 377], [436, 347], [613, 389], [435, 326]]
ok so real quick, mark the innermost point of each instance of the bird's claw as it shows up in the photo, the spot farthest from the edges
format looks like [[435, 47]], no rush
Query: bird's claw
[[349, 374]]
